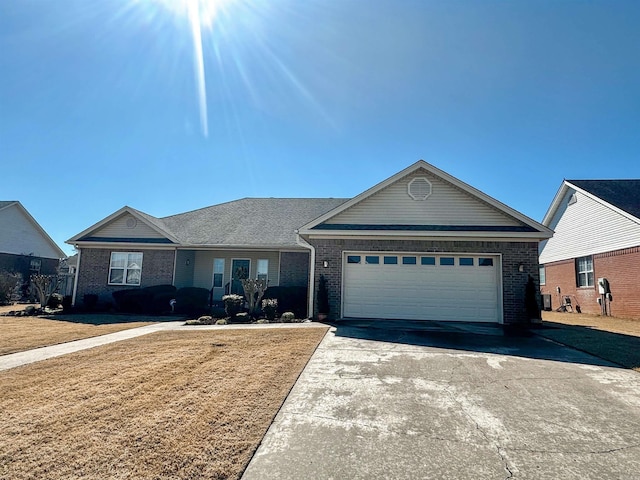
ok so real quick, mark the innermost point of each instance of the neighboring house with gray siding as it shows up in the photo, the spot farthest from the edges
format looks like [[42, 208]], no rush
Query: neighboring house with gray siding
[[419, 245], [25, 247]]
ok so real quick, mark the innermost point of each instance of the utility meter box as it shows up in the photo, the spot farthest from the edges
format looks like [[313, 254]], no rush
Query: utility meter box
[[603, 286]]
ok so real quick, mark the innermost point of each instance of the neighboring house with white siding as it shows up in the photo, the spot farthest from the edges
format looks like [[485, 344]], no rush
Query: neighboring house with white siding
[[597, 235], [419, 245], [25, 247]]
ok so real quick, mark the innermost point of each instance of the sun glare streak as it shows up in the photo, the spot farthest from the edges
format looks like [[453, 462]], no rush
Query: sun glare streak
[[198, 63]]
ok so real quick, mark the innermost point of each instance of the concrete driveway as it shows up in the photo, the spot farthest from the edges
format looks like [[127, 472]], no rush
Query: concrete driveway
[[407, 400]]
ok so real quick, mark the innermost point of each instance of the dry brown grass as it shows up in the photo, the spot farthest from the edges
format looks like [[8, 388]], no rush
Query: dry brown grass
[[609, 324], [170, 405], [23, 333], [614, 339]]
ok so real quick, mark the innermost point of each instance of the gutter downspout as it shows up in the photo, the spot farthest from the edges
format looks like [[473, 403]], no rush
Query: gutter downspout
[[312, 271], [75, 280]]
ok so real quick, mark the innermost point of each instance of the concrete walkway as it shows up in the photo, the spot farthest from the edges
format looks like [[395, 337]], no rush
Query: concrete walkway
[[401, 403], [18, 359]]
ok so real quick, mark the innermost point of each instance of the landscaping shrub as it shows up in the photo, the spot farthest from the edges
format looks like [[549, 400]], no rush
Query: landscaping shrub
[[66, 303], [288, 317], [221, 321], [9, 287], [192, 300], [90, 302], [242, 317], [218, 312], [153, 300], [270, 308], [55, 300], [290, 299], [233, 304]]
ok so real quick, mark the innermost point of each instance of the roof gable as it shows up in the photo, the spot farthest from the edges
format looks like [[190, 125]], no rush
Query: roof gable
[[585, 224], [22, 235], [424, 199], [127, 225]]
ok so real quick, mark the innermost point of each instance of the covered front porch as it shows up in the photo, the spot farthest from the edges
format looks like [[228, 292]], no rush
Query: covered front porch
[[221, 270]]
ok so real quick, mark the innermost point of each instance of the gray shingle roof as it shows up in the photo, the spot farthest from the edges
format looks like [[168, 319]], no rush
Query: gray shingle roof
[[5, 203], [624, 194], [247, 222]]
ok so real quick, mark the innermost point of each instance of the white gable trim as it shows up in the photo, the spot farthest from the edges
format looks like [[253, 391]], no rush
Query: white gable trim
[[131, 211], [541, 230], [562, 192]]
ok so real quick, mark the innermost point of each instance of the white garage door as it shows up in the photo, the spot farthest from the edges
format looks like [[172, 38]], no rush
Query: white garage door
[[421, 286]]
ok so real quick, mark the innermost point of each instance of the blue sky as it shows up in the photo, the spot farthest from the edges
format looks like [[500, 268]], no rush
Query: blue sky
[[99, 103]]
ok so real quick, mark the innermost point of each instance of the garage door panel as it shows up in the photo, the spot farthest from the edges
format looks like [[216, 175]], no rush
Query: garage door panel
[[437, 292]]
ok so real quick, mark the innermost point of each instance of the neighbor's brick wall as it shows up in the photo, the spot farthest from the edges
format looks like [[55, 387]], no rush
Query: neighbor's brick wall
[[620, 267], [93, 273], [294, 269], [513, 254]]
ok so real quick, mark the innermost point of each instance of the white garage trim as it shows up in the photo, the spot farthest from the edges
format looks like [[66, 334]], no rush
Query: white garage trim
[[422, 286]]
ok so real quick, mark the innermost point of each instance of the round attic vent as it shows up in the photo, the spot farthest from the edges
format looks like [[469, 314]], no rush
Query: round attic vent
[[419, 188], [131, 222]]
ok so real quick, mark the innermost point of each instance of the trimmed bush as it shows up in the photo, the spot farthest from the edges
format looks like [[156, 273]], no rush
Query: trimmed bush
[[242, 317], [290, 299], [90, 302], [221, 321], [288, 317], [9, 287], [192, 300], [270, 308], [154, 300], [233, 304]]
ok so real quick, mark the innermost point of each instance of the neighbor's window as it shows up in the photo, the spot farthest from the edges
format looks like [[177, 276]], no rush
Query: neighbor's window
[[35, 265], [263, 269], [125, 268], [584, 270], [218, 272], [543, 275]]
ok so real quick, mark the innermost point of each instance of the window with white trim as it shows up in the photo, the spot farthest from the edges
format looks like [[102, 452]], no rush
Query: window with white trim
[[543, 275], [584, 271], [218, 272], [34, 266], [125, 268], [262, 272]]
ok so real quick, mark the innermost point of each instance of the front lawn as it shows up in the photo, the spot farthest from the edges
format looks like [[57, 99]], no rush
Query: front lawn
[[23, 333], [169, 405], [614, 339]]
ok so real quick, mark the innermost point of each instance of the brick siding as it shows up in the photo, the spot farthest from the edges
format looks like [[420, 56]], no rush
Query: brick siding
[[513, 254], [294, 269], [620, 267], [93, 272]]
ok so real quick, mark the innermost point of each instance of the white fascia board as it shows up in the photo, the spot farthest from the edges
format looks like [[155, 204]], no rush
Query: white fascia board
[[42, 231], [403, 235], [125, 245], [438, 173], [113, 216], [555, 203]]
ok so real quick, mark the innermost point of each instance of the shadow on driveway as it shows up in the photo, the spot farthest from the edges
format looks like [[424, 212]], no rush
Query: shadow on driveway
[[588, 346]]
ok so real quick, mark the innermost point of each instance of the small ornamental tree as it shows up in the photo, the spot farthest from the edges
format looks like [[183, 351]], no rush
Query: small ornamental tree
[[45, 286], [253, 292], [323, 296]]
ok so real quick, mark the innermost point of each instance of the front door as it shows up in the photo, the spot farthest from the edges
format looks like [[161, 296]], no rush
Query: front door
[[239, 271]]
